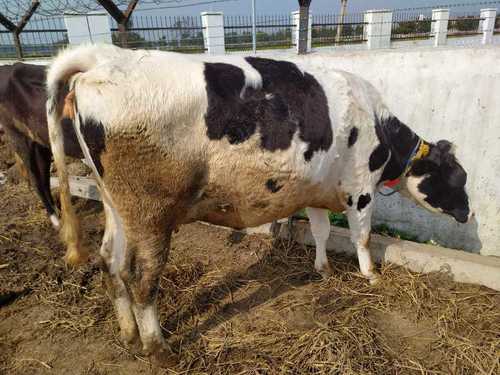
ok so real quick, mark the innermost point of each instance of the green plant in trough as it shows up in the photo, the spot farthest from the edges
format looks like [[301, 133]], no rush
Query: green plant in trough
[[338, 219], [386, 230]]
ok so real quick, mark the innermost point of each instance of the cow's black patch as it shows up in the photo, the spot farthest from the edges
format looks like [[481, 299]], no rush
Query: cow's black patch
[[378, 157], [400, 140], [353, 136], [227, 114], [71, 145], [272, 186], [363, 200], [289, 100], [349, 201], [95, 138]]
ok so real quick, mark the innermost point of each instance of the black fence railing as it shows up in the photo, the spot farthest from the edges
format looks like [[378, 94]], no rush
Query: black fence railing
[[43, 37], [330, 29], [272, 32], [411, 25], [180, 34], [463, 25]]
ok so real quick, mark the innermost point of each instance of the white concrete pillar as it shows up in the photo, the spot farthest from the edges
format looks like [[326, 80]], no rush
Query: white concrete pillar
[[488, 17], [213, 32], [91, 27], [440, 19], [295, 31], [378, 28]]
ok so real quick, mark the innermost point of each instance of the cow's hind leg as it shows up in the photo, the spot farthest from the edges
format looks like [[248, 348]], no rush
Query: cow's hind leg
[[146, 257], [113, 256], [320, 228], [359, 215], [41, 158]]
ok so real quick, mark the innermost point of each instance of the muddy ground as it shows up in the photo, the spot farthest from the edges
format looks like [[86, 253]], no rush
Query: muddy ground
[[232, 304]]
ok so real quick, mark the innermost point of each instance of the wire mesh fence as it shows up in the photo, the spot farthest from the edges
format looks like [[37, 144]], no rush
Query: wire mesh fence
[[43, 37], [180, 34], [463, 24], [411, 25], [331, 29], [272, 32]]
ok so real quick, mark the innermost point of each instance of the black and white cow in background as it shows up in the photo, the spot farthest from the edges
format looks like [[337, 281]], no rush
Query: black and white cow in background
[[234, 141]]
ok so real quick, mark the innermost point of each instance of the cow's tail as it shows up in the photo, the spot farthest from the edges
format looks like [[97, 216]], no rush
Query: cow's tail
[[61, 105]]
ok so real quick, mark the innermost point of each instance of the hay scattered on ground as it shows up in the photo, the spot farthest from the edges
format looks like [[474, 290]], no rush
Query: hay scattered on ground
[[234, 304]]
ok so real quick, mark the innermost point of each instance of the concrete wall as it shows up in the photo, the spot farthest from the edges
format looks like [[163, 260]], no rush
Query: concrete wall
[[451, 93]]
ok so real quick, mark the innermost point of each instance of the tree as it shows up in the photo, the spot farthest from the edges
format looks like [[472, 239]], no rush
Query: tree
[[17, 29], [121, 18]]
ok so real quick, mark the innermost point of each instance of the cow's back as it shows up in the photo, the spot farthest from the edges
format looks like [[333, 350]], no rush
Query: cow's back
[[22, 99]]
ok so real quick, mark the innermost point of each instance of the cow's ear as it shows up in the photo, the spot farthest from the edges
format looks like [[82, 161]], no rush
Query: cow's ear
[[445, 146]]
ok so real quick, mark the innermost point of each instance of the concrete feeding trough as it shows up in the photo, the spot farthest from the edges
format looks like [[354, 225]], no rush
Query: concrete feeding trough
[[461, 266]]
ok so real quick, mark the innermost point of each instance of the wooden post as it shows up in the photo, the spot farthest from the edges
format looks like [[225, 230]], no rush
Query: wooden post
[[120, 17], [303, 25], [17, 29]]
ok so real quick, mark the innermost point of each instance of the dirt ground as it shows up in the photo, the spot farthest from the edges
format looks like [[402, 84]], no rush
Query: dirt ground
[[232, 304]]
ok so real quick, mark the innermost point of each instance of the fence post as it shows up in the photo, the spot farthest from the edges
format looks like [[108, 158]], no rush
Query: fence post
[[488, 17], [296, 32], [91, 27], [378, 28], [254, 29], [440, 19], [213, 32]]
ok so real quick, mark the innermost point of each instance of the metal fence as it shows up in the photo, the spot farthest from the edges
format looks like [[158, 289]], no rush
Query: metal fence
[[411, 25], [272, 32], [463, 25], [181, 34], [328, 29], [43, 37]]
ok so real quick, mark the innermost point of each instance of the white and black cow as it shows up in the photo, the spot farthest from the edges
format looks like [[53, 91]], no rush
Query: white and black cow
[[235, 141]]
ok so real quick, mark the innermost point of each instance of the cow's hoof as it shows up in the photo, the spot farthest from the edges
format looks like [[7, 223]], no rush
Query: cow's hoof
[[162, 356], [56, 224], [325, 270], [374, 279], [154, 346], [131, 341]]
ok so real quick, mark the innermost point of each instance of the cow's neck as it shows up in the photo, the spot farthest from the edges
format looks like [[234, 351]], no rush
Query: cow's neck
[[400, 141]]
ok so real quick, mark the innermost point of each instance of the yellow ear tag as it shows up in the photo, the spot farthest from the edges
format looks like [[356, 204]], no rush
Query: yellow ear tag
[[423, 151]]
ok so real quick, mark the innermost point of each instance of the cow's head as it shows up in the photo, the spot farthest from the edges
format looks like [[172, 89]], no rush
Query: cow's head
[[437, 182]]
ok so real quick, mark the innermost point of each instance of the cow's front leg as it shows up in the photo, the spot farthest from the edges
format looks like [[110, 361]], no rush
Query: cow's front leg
[[359, 214], [113, 260], [146, 258], [320, 228]]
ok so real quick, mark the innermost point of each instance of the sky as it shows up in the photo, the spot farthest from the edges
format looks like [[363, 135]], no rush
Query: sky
[[244, 7]]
